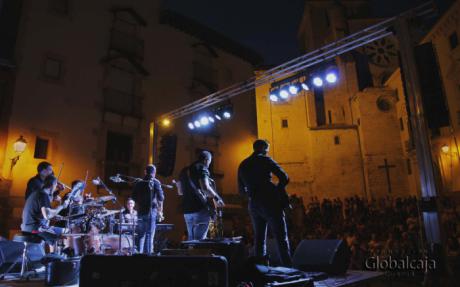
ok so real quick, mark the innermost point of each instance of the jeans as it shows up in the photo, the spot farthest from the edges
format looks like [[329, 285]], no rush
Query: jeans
[[197, 224], [146, 232], [262, 217]]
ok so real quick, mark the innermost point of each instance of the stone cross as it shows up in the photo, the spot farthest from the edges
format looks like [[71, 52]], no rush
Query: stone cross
[[387, 167]]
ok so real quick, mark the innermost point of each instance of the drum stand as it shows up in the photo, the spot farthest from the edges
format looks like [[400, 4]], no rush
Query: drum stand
[[219, 223], [120, 214], [133, 237]]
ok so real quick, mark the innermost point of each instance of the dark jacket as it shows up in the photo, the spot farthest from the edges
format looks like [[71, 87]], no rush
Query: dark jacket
[[34, 184], [255, 179], [190, 180], [147, 194]]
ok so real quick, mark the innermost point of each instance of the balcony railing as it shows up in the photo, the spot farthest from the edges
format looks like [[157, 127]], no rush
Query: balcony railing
[[122, 103], [127, 44]]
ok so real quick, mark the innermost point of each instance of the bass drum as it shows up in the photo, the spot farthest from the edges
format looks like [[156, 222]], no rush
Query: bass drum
[[110, 244], [92, 242], [74, 246]]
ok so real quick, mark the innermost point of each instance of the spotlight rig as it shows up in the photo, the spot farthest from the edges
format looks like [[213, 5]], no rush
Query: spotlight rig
[[207, 119], [282, 90]]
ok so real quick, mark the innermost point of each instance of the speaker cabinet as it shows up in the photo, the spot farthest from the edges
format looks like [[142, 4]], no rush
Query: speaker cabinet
[[143, 270], [330, 256]]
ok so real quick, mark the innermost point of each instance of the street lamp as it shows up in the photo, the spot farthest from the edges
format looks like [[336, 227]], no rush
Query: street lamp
[[445, 149], [19, 146]]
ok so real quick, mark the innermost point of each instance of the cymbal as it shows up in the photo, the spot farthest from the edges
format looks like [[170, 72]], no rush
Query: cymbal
[[126, 224], [73, 234], [92, 203], [105, 198], [72, 216], [110, 212]]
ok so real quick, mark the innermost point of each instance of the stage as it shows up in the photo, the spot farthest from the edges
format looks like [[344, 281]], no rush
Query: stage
[[352, 278]]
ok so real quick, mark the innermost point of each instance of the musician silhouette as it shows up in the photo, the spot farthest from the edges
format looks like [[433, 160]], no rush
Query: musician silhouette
[[266, 200], [195, 184], [149, 198]]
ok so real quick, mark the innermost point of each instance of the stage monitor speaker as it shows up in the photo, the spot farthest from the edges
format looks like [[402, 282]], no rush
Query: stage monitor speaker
[[62, 272], [233, 251], [330, 256], [164, 271], [11, 252]]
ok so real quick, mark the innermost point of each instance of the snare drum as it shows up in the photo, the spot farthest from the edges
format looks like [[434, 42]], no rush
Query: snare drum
[[92, 242]]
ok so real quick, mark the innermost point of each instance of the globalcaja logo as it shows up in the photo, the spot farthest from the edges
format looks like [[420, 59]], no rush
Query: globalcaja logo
[[400, 266]]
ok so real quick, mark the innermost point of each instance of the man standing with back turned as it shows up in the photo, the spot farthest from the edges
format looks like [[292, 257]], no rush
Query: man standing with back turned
[[149, 197], [266, 200]]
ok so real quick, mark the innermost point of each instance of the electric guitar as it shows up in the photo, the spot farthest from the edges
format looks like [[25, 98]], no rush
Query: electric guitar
[[212, 203]]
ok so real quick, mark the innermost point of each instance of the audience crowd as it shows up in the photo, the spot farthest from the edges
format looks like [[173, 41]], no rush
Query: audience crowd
[[383, 227]]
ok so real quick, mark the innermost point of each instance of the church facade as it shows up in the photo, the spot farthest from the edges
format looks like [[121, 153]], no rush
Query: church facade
[[353, 137]]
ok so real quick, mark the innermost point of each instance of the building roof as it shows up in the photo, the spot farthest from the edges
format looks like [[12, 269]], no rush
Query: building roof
[[208, 35]]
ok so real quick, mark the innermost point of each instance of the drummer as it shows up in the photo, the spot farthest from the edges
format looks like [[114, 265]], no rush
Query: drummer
[[129, 216], [75, 206]]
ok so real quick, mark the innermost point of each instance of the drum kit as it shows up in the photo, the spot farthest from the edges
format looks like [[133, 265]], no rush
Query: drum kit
[[92, 230], [95, 229]]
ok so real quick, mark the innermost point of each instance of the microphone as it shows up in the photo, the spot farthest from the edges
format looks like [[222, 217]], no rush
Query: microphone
[[96, 181], [116, 179]]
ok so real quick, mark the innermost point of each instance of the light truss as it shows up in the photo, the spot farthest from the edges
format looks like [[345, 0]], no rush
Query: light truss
[[332, 50]]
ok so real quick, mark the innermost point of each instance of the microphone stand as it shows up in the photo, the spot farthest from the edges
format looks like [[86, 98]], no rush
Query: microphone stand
[[120, 215]]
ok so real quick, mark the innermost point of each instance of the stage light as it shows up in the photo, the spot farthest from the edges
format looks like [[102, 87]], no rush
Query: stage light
[[197, 124], [284, 94], [204, 121], [166, 122], [305, 87], [211, 119], [331, 77], [191, 126], [273, 98], [218, 117], [227, 115], [293, 89], [317, 81]]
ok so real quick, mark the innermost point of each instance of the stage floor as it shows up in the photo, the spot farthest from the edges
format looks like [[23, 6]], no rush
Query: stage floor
[[352, 278]]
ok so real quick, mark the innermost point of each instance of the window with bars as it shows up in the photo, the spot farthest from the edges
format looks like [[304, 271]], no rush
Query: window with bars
[[284, 123], [53, 68], [453, 40], [336, 140], [41, 148]]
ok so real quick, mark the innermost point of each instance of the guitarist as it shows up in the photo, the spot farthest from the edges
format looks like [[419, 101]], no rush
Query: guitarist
[[267, 200], [196, 187]]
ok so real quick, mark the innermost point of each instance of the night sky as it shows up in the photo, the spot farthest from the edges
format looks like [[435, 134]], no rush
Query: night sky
[[269, 26]]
